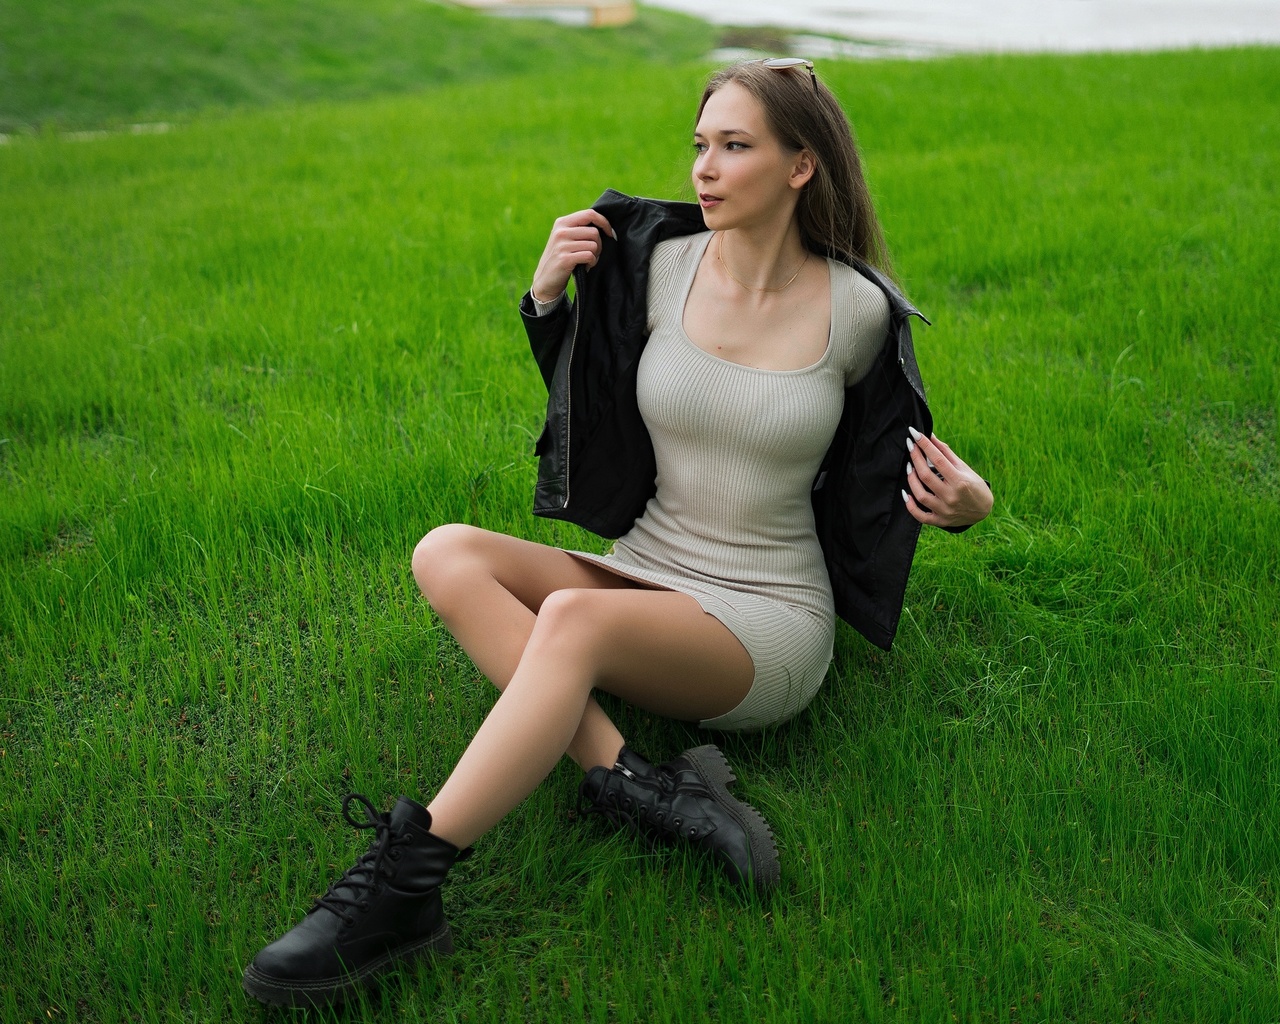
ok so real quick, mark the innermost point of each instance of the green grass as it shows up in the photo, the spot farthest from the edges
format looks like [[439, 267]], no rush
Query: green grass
[[94, 62], [244, 366]]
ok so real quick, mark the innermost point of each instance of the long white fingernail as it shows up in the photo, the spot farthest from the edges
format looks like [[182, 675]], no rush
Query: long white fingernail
[[930, 462], [911, 445], [910, 469], [906, 496], [913, 432]]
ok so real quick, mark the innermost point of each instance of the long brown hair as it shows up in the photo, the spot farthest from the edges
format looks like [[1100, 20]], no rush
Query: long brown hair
[[835, 213]]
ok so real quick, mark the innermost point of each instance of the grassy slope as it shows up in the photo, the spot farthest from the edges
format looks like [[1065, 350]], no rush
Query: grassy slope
[[245, 365], [111, 61]]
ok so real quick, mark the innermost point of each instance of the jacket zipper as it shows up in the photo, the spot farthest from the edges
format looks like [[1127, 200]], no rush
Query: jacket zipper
[[568, 386]]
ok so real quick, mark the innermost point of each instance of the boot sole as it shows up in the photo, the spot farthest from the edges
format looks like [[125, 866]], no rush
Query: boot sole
[[717, 776], [327, 991]]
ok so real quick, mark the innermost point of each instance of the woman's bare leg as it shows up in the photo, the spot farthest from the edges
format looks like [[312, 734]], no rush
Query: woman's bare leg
[[656, 649], [487, 588]]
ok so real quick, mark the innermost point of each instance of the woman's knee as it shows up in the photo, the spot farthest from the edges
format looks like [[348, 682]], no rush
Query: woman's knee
[[438, 556], [576, 622]]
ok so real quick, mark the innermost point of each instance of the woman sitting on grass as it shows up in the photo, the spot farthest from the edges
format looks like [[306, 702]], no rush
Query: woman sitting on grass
[[733, 395]]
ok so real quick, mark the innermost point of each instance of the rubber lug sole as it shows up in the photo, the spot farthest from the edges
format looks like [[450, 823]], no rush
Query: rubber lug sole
[[717, 776], [327, 991]]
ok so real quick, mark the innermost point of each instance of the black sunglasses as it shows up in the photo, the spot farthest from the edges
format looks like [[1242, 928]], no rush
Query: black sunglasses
[[785, 63]]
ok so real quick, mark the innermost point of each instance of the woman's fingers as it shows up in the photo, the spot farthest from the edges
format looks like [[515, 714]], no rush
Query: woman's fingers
[[953, 495], [587, 233], [917, 512], [583, 226], [918, 461], [577, 241], [585, 217], [598, 219], [945, 449], [574, 241], [933, 456], [944, 491], [930, 496], [932, 506]]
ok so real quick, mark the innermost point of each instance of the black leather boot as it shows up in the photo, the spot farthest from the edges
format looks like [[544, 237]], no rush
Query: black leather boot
[[385, 909], [686, 800]]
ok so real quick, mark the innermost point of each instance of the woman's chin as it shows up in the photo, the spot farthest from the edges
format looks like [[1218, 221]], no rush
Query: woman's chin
[[713, 218]]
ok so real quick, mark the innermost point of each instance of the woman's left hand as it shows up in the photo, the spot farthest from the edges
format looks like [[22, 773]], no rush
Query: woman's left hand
[[948, 493]]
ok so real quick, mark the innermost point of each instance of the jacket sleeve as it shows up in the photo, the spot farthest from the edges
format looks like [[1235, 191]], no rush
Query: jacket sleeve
[[546, 334], [866, 532]]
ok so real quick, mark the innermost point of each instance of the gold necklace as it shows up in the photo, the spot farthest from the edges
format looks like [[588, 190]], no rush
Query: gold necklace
[[790, 280]]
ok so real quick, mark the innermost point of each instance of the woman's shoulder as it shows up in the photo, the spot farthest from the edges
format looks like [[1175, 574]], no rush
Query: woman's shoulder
[[667, 268], [864, 293], [860, 319]]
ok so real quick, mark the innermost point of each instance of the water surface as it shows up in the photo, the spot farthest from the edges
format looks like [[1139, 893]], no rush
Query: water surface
[[941, 26]]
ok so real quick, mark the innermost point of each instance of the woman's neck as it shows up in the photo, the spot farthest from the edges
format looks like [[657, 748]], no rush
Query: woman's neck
[[764, 258]]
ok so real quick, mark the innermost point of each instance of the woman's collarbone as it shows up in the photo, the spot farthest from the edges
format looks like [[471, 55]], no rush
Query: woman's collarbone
[[777, 332]]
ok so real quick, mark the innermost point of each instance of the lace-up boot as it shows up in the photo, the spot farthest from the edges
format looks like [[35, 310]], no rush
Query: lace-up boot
[[686, 800], [386, 908]]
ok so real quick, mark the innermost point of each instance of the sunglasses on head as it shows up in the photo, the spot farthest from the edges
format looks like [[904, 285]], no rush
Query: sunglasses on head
[[786, 63]]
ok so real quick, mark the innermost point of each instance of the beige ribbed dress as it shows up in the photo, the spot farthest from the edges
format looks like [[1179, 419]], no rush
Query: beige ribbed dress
[[737, 451]]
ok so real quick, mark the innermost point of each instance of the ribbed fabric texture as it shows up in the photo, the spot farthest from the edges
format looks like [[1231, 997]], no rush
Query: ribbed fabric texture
[[737, 451]]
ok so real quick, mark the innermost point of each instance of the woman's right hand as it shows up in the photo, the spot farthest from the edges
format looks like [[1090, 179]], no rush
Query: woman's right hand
[[574, 242]]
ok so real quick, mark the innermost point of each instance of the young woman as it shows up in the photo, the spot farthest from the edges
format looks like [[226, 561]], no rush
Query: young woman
[[733, 395]]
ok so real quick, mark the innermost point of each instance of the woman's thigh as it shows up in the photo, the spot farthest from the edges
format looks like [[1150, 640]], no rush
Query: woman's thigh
[[458, 556], [656, 649]]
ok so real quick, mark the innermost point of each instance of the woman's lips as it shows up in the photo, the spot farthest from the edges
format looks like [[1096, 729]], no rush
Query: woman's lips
[[706, 201]]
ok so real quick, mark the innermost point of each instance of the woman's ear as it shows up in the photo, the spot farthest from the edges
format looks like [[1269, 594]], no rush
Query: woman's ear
[[803, 169]]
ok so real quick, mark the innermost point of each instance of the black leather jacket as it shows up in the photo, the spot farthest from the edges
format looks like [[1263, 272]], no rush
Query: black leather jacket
[[597, 466]]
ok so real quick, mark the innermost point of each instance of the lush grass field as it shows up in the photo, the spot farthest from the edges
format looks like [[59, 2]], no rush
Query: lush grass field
[[95, 62], [246, 365]]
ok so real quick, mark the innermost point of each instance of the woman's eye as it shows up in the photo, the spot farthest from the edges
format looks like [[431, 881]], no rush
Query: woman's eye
[[702, 147]]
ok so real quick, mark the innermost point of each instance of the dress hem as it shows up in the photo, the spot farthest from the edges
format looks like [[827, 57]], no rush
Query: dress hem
[[733, 720]]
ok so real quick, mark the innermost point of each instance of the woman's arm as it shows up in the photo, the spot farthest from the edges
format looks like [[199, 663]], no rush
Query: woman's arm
[[944, 490]]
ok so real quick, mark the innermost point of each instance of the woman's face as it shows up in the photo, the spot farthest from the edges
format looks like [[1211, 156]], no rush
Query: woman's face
[[743, 175]]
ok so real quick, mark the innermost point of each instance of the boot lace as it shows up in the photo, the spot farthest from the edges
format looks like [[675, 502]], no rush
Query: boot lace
[[646, 813], [606, 804], [364, 877]]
